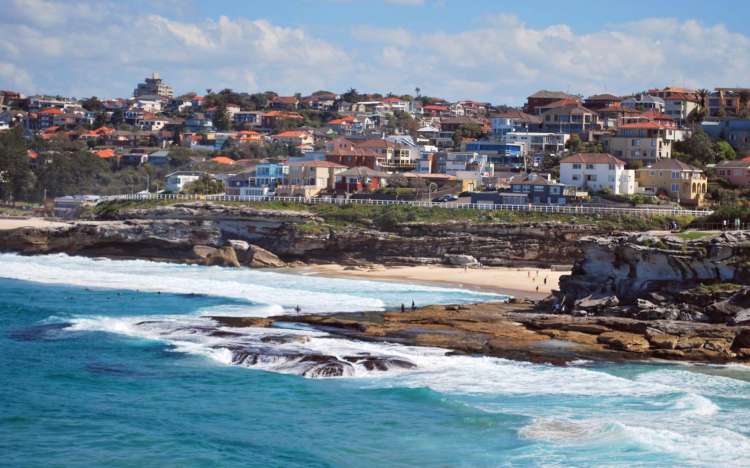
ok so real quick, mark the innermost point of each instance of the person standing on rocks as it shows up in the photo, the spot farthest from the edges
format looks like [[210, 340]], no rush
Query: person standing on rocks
[[413, 306], [403, 309]]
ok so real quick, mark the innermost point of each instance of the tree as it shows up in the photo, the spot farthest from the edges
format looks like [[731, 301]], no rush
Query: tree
[[724, 151], [205, 185], [698, 149], [16, 177], [458, 138], [573, 143], [100, 120], [351, 96], [221, 117], [92, 104]]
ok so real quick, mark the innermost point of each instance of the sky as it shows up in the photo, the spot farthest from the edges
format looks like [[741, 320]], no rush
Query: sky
[[497, 51]]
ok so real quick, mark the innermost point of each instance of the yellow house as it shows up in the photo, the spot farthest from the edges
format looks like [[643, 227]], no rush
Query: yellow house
[[682, 182]]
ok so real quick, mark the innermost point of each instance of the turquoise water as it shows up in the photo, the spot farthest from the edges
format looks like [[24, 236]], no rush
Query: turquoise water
[[110, 363]]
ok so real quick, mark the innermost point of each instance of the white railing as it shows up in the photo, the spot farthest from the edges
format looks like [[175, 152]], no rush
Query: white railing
[[560, 209]]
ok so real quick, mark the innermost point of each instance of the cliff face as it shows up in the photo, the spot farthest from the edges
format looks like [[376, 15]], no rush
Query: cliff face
[[171, 232], [660, 277]]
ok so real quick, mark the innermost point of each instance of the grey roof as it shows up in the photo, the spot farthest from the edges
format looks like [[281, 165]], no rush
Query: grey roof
[[544, 94], [362, 171]]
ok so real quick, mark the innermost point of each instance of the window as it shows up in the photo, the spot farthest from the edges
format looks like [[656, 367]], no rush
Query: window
[[635, 142], [539, 188], [675, 187], [575, 177], [611, 178], [591, 177], [611, 167], [589, 166], [576, 166], [675, 175]]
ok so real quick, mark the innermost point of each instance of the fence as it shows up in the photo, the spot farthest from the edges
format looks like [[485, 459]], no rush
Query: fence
[[556, 209]]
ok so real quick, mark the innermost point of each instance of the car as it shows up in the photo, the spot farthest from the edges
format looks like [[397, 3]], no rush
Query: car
[[445, 198]]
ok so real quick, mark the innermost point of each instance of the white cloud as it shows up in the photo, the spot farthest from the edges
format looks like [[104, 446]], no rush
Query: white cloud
[[104, 48]]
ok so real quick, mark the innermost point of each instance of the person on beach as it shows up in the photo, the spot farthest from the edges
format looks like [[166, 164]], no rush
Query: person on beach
[[413, 306], [403, 309], [297, 309]]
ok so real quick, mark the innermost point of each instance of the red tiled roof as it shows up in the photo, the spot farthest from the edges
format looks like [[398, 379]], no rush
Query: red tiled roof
[[105, 153], [32, 154], [222, 160], [317, 164], [292, 134], [644, 125], [592, 158], [51, 110]]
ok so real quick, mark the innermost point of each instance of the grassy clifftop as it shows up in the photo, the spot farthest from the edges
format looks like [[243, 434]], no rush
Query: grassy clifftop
[[387, 217]]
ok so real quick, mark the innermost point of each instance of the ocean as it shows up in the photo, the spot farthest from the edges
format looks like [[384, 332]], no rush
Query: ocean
[[113, 363]]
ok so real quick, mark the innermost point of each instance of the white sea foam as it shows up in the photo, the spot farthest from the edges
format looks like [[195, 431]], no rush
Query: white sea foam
[[281, 291]]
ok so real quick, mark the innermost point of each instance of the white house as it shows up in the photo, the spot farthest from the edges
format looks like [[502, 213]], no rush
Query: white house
[[597, 171], [176, 181]]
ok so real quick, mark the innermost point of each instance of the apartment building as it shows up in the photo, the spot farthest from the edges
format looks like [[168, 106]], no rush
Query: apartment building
[[646, 141]]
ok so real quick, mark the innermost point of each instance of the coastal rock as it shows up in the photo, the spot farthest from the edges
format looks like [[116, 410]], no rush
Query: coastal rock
[[461, 260], [224, 256], [258, 257], [624, 341]]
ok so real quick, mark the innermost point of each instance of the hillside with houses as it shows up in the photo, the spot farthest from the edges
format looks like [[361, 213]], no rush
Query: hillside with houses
[[667, 147]]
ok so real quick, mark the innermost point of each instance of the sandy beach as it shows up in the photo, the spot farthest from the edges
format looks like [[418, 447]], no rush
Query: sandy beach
[[535, 283], [15, 223]]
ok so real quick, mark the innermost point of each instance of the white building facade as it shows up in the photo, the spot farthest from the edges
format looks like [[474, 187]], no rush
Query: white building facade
[[596, 172]]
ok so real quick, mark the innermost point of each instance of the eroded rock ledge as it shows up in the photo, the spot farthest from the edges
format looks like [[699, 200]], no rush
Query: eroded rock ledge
[[517, 331]]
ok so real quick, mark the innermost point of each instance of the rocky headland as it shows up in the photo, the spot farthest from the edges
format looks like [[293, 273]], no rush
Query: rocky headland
[[234, 235]]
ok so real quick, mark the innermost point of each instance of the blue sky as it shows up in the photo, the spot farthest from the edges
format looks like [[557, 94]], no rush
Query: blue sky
[[498, 51]]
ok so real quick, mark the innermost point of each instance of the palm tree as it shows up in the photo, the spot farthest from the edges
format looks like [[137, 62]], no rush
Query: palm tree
[[702, 95]]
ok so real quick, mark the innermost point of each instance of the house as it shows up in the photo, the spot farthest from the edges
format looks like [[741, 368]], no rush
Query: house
[[539, 189], [358, 179], [248, 136], [273, 119], [597, 171], [680, 106], [159, 158], [176, 181], [134, 158], [570, 118], [538, 142], [644, 102], [247, 118], [301, 139], [392, 156], [309, 178], [499, 198], [455, 162], [735, 172], [602, 101], [729, 102], [198, 122], [735, 131], [343, 151], [270, 175], [681, 181], [284, 103], [513, 121], [646, 141], [543, 98]]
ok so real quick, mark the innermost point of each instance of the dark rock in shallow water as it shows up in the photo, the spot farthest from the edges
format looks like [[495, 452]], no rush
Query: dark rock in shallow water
[[38, 332], [281, 339]]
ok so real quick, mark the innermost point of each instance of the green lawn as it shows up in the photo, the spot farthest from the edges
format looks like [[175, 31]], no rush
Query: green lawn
[[694, 235]]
